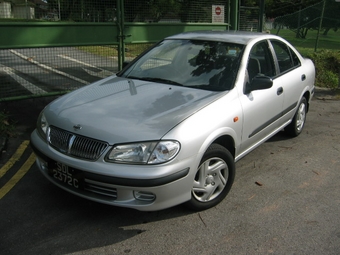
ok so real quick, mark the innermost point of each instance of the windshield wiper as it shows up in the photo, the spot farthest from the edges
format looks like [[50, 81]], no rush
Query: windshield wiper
[[210, 87], [155, 79]]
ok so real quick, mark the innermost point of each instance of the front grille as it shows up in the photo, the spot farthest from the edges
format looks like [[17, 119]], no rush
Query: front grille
[[74, 145]]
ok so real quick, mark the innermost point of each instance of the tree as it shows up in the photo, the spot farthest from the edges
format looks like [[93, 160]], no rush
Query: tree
[[136, 10], [195, 11], [303, 20], [331, 18], [277, 8], [84, 10]]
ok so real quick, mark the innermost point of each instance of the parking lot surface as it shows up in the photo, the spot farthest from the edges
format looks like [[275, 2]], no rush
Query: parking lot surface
[[285, 200]]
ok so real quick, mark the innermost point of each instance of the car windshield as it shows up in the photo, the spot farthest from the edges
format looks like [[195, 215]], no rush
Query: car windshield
[[208, 65]]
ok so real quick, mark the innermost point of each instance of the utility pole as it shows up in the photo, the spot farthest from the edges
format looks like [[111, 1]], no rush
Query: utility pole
[[121, 37], [320, 25], [261, 16], [59, 10], [26, 10], [234, 14]]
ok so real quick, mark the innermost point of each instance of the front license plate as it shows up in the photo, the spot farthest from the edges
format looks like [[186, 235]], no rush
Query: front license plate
[[65, 174]]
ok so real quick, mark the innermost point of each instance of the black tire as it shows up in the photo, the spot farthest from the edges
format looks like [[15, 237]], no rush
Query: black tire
[[298, 122], [213, 179]]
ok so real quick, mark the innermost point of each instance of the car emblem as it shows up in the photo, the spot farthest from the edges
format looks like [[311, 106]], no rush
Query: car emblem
[[77, 127]]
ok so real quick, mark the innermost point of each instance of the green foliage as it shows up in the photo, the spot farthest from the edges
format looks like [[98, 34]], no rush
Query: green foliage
[[276, 8], [6, 127], [327, 65], [328, 78], [302, 19], [327, 57], [131, 50], [330, 41]]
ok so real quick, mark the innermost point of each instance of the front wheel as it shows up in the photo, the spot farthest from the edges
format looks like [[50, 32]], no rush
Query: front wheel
[[213, 179], [299, 119]]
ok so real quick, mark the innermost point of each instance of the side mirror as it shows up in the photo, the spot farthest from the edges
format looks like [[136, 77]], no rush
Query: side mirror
[[259, 82], [126, 63]]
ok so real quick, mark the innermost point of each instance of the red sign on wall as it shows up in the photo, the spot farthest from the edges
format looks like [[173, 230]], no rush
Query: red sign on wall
[[217, 12]]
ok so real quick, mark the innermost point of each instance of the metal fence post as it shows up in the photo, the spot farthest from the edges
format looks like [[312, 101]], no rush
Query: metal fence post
[[261, 15], [121, 37], [234, 17], [320, 25]]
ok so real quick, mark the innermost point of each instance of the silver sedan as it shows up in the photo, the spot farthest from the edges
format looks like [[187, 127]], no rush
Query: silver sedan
[[170, 126]]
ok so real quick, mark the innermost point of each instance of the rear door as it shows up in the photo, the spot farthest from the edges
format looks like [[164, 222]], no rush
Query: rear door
[[290, 78]]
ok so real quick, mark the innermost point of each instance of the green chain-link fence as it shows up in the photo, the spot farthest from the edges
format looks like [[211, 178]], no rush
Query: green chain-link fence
[[55, 46], [315, 26]]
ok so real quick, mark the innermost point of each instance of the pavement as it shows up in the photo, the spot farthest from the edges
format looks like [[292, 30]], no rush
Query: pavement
[[285, 200], [24, 114]]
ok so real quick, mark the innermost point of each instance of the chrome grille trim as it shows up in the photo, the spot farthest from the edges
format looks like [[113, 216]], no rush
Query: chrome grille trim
[[59, 139], [104, 189], [75, 145]]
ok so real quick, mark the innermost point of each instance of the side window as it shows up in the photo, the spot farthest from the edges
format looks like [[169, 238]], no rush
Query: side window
[[286, 58], [260, 61]]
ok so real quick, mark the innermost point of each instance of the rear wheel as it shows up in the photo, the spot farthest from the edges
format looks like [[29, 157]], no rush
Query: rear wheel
[[298, 122], [213, 179]]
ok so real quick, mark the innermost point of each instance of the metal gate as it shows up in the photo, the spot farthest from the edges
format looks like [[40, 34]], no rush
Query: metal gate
[[53, 47]]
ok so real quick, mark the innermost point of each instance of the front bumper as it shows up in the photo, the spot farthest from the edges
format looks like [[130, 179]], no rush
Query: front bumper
[[142, 187]]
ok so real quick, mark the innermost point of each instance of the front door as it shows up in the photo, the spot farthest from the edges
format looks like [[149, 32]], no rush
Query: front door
[[262, 108]]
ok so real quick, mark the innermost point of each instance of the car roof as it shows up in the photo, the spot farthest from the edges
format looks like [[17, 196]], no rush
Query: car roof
[[240, 37]]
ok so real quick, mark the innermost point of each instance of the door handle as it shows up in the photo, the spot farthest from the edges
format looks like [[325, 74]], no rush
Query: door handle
[[279, 91], [303, 77]]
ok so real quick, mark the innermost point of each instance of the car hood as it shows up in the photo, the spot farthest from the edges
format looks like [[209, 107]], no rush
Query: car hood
[[118, 110]]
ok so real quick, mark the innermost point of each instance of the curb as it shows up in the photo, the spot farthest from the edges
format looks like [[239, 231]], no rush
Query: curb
[[326, 93]]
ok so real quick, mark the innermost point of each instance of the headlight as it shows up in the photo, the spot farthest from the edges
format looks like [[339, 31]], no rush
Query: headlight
[[42, 125], [144, 153]]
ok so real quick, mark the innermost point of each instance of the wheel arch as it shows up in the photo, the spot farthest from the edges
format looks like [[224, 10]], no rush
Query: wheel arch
[[226, 138], [227, 142], [307, 95]]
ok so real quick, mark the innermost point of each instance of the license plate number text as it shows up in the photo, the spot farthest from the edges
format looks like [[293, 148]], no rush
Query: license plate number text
[[63, 174]]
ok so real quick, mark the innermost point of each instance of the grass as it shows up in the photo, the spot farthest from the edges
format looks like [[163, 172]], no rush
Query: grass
[[103, 51], [131, 50], [326, 57], [331, 41], [306, 46]]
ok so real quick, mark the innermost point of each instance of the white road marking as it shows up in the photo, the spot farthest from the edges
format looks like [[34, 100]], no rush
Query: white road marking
[[26, 84], [102, 74], [78, 61], [48, 67]]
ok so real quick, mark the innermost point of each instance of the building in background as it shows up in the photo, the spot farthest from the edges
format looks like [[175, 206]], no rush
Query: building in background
[[23, 9]]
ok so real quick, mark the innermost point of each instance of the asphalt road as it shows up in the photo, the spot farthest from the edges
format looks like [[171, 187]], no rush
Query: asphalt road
[[285, 200], [24, 72]]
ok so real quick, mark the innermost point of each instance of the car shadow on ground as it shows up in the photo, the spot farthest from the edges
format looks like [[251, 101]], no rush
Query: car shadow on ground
[[280, 136]]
